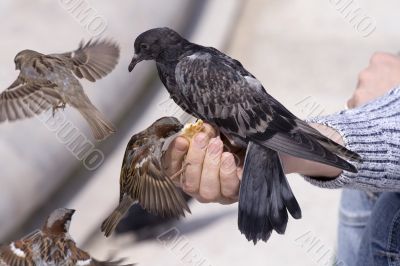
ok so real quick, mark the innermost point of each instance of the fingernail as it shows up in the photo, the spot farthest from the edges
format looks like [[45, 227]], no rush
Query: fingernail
[[214, 147], [200, 140], [228, 162]]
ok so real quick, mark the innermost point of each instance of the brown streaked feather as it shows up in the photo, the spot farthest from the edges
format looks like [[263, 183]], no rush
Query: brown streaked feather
[[148, 184], [24, 99], [143, 180], [93, 60], [10, 258]]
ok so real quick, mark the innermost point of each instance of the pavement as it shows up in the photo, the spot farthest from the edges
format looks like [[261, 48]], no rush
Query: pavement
[[307, 55]]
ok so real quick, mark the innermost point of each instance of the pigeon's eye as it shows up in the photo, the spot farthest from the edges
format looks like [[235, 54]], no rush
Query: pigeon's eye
[[144, 46]]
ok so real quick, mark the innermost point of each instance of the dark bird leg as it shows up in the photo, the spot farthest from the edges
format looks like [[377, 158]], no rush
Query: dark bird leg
[[265, 195]]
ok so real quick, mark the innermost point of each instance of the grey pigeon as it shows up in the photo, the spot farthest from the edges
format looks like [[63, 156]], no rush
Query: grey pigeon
[[217, 89]]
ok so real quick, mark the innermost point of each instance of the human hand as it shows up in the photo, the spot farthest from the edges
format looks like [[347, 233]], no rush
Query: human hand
[[211, 175], [382, 74]]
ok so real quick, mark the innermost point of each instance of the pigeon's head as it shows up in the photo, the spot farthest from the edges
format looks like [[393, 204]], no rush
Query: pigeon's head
[[152, 43], [166, 127], [24, 56], [58, 221]]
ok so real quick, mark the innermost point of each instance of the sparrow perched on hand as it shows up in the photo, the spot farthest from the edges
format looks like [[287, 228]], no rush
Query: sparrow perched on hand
[[217, 89], [143, 179], [52, 245], [51, 81]]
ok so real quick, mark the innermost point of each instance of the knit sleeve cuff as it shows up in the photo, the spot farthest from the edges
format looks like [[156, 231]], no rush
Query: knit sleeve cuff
[[362, 132]]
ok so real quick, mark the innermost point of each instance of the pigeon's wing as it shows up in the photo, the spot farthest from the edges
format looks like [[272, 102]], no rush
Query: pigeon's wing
[[20, 252], [92, 60], [144, 180], [222, 92], [80, 257], [24, 99]]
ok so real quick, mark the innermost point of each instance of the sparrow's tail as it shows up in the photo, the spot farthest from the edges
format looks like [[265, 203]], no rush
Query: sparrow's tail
[[100, 126], [109, 224], [265, 195]]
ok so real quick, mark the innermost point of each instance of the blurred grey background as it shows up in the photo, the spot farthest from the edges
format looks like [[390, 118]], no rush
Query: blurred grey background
[[306, 53]]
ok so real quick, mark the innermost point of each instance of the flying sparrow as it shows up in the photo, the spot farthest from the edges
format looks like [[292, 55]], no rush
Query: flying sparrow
[[143, 179], [217, 89], [51, 246], [51, 81]]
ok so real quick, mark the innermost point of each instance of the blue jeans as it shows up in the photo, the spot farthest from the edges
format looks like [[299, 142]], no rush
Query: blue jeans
[[369, 228]]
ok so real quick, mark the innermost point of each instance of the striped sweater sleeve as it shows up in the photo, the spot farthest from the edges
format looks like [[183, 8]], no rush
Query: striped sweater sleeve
[[373, 131]]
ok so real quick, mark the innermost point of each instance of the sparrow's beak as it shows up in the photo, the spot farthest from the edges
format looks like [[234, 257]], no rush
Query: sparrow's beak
[[71, 212], [136, 59]]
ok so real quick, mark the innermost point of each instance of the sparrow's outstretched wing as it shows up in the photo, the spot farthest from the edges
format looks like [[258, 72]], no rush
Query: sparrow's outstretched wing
[[92, 60], [20, 252], [144, 180], [221, 91], [26, 98]]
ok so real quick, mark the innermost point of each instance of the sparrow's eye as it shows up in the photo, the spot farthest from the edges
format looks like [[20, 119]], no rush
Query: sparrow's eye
[[144, 46]]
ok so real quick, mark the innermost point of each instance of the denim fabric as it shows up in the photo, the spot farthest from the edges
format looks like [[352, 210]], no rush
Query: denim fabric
[[355, 210], [369, 228], [380, 244]]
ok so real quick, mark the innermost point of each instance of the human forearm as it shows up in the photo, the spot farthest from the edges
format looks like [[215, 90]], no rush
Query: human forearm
[[372, 131]]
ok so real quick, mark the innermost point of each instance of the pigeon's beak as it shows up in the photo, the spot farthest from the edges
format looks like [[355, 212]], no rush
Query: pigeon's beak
[[136, 59]]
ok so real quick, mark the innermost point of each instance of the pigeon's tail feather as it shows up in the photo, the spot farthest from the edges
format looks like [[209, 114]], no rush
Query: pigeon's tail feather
[[303, 145], [327, 143], [100, 126], [265, 195], [109, 224]]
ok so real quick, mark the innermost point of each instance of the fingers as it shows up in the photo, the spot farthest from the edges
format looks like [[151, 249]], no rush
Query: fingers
[[229, 177], [175, 155], [210, 174], [194, 159], [210, 190], [381, 75], [210, 131]]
